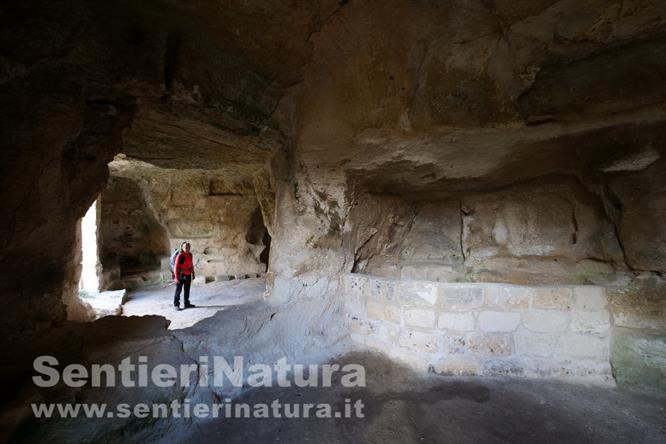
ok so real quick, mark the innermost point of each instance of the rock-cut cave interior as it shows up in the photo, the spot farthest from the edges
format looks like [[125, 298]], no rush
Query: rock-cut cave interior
[[464, 199]]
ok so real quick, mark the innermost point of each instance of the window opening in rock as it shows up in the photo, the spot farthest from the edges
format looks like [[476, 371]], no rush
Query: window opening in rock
[[89, 283]]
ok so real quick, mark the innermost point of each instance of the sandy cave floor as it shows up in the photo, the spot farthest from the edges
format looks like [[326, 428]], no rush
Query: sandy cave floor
[[209, 299], [404, 407]]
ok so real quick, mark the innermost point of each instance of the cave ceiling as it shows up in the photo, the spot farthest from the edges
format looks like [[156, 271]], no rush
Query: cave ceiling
[[400, 95]]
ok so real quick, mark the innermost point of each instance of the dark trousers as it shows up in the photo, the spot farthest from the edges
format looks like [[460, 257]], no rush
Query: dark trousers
[[183, 282]]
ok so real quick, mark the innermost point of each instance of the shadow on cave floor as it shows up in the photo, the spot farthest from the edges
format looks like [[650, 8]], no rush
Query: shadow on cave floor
[[406, 407], [209, 299]]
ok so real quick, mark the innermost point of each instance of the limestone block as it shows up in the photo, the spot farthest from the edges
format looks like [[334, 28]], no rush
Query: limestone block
[[508, 297], [639, 359], [490, 344], [535, 345], [376, 343], [582, 370], [498, 321], [417, 293], [590, 298], [434, 234], [503, 367], [352, 296], [553, 298], [430, 272], [360, 326], [456, 321], [461, 297], [573, 345], [420, 318], [416, 361], [358, 340], [390, 333], [354, 308], [107, 303], [454, 344], [538, 225], [198, 229], [590, 322], [546, 321], [457, 366], [389, 291], [374, 289], [354, 283], [641, 303], [419, 341], [383, 312]]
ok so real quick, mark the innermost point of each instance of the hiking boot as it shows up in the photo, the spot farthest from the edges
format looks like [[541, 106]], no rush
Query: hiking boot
[[188, 305]]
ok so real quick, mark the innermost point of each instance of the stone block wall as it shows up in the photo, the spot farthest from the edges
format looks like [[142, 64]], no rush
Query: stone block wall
[[483, 329]]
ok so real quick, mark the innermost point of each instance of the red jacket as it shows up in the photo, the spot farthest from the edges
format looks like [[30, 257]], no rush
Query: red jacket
[[184, 265]]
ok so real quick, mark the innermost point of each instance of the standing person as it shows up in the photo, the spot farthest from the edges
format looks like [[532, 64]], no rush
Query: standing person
[[183, 273]]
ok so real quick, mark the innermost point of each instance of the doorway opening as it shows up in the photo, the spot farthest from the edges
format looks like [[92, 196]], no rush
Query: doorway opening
[[89, 283], [257, 234], [263, 257]]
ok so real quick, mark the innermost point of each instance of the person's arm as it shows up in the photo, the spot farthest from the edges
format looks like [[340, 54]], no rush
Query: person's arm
[[176, 268]]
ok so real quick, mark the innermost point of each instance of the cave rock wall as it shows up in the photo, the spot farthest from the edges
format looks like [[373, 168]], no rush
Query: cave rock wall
[[220, 216], [549, 231]]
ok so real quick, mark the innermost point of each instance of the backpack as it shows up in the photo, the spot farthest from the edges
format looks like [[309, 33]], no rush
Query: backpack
[[172, 261]]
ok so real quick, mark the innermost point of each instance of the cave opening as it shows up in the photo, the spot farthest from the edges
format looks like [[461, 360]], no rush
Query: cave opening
[[258, 236], [89, 283], [265, 253]]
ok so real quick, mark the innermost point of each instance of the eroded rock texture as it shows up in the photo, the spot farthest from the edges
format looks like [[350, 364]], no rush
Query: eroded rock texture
[[506, 141], [553, 230]]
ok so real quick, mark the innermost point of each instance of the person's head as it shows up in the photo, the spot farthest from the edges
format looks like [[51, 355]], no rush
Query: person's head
[[185, 246]]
